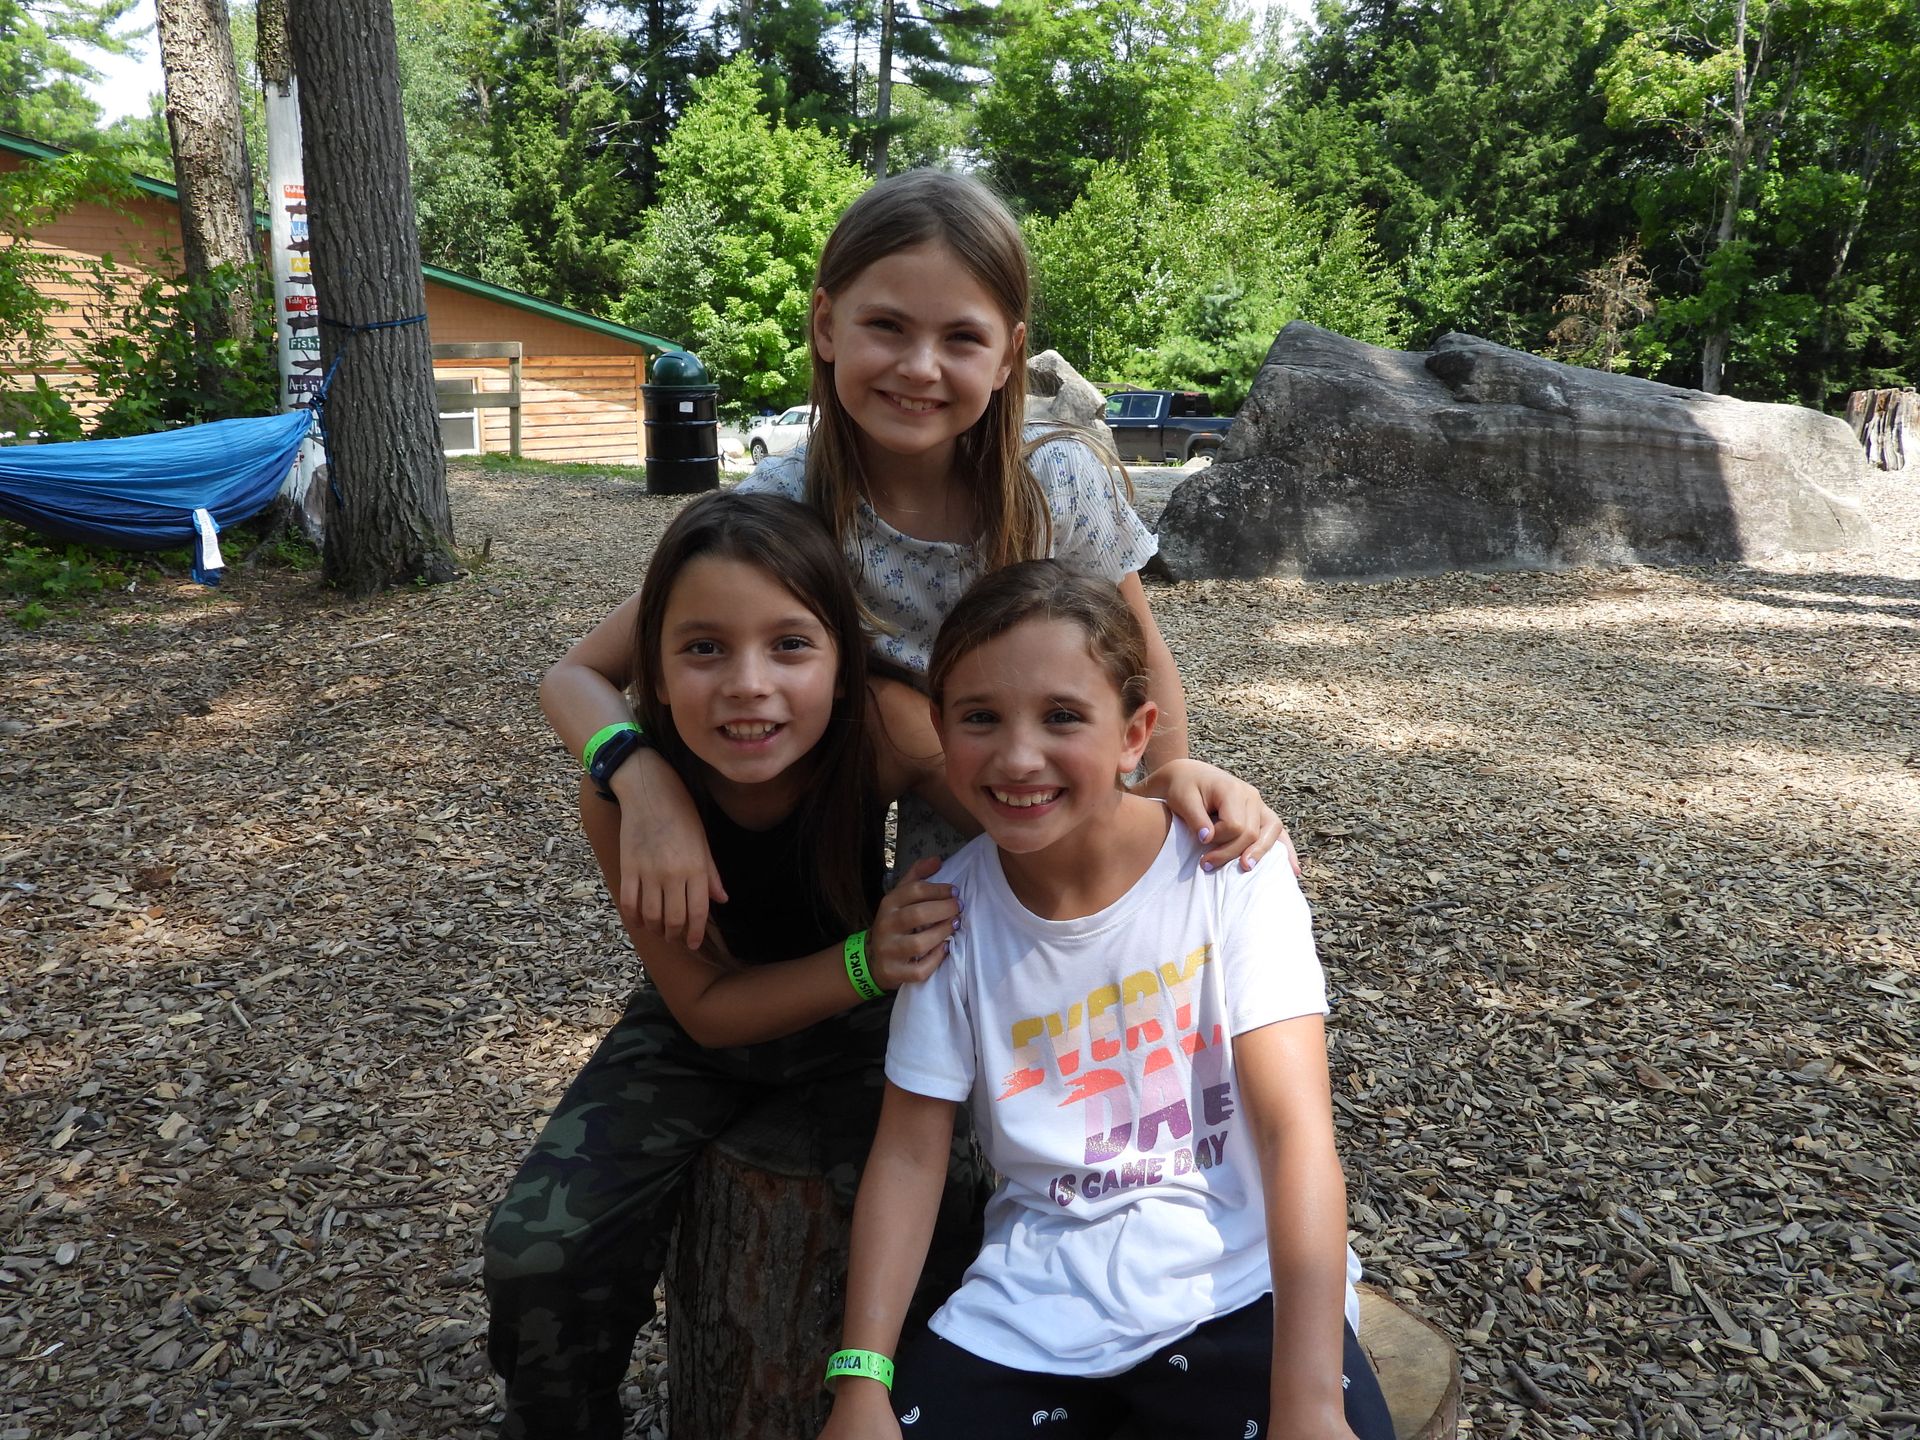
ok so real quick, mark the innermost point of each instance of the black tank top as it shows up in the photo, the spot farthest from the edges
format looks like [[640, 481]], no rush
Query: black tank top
[[771, 912]]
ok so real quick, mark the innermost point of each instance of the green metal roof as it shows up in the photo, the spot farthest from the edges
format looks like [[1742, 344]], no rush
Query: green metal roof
[[519, 300]]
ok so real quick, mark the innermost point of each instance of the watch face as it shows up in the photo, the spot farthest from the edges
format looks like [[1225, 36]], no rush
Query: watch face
[[612, 754]]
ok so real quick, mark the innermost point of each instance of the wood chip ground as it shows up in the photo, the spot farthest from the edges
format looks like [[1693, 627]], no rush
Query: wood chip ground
[[1616, 875]]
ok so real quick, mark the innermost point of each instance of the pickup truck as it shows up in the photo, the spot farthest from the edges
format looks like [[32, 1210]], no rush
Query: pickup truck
[[1164, 427]]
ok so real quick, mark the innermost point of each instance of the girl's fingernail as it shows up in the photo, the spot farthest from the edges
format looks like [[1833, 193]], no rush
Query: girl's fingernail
[[1206, 867], [956, 922], [1206, 833]]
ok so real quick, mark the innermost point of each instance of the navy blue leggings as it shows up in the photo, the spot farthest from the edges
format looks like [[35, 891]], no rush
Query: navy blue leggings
[[1210, 1385]]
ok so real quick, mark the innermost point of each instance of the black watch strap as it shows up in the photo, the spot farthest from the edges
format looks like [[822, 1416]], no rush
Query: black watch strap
[[614, 752]]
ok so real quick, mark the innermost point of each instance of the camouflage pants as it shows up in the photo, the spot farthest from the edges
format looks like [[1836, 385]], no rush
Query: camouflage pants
[[574, 1250]]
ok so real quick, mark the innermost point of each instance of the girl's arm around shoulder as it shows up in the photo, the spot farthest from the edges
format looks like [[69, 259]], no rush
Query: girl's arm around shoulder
[[1225, 813], [1281, 1071], [666, 874], [721, 1004], [892, 1225]]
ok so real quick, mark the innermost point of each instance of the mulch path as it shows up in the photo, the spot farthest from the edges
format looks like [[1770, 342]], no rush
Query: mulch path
[[1616, 873]]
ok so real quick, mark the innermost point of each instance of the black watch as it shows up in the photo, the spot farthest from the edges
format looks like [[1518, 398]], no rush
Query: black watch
[[614, 752]]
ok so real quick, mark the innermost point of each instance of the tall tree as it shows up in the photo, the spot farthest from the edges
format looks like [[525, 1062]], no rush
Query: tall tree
[[450, 67], [1779, 117], [935, 51], [726, 261], [1472, 132], [209, 154], [795, 44], [391, 522], [1083, 81], [1728, 73], [561, 135], [42, 81], [668, 51]]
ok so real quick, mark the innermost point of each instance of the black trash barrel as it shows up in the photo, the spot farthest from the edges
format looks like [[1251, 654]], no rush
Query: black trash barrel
[[683, 430]]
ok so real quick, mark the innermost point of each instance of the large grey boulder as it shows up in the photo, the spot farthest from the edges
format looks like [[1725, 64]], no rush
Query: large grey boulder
[[1057, 394], [1349, 460]]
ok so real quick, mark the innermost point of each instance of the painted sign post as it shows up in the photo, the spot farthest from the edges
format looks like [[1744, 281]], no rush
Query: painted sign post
[[290, 255]]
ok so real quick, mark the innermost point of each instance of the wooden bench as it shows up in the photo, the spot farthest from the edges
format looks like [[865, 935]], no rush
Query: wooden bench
[[756, 1284]]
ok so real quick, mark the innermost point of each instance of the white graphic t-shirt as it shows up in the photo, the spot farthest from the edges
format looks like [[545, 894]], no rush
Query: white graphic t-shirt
[[1097, 1054]]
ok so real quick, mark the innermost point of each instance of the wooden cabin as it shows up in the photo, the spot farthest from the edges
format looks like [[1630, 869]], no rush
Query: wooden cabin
[[580, 376]]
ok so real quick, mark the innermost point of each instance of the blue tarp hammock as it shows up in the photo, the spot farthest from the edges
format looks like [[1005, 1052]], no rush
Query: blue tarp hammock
[[151, 492]]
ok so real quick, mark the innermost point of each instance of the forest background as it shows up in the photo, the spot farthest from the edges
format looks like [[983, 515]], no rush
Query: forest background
[[1717, 193]]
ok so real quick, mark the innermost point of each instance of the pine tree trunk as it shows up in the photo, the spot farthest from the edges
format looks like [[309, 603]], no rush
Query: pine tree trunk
[[209, 150], [1888, 424], [390, 523], [883, 104]]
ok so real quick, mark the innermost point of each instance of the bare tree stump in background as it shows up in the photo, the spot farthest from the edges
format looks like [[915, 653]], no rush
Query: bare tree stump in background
[[1888, 424]]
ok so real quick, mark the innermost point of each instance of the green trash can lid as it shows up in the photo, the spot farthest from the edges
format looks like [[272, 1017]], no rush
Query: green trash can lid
[[680, 367]]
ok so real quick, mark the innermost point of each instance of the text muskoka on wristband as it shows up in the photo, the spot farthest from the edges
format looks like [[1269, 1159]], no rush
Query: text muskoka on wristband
[[859, 1362], [861, 974]]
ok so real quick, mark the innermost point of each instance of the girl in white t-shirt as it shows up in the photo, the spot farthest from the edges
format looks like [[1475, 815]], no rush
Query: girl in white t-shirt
[[1140, 1040]]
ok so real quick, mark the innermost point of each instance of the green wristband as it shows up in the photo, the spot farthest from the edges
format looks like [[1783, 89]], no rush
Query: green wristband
[[600, 737], [864, 985], [859, 1362]]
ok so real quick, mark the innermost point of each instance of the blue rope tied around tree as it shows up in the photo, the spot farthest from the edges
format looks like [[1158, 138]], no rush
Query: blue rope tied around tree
[[319, 404]]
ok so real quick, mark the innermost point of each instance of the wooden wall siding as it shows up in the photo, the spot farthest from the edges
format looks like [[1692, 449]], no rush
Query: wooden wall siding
[[575, 409], [581, 389], [137, 233], [455, 316]]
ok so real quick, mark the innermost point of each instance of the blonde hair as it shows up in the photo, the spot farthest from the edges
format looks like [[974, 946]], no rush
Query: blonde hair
[[921, 207]]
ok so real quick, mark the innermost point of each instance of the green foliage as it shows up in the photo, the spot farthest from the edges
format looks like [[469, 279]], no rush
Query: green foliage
[[725, 262], [141, 143], [449, 61], [1394, 170], [1471, 130], [148, 361], [42, 81], [30, 198], [1091, 81], [1136, 285], [940, 52], [45, 577], [556, 119], [802, 79], [1782, 158]]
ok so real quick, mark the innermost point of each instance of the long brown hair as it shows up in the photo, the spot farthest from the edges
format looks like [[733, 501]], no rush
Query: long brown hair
[[919, 207], [786, 540], [1046, 590]]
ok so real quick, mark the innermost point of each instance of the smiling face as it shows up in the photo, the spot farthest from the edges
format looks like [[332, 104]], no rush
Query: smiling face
[[1036, 737], [918, 347], [749, 673]]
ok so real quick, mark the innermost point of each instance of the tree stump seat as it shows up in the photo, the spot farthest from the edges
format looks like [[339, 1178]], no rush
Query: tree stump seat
[[756, 1282], [1418, 1367]]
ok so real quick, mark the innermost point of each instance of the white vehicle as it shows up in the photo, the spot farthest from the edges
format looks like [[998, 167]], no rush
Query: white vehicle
[[777, 434]]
